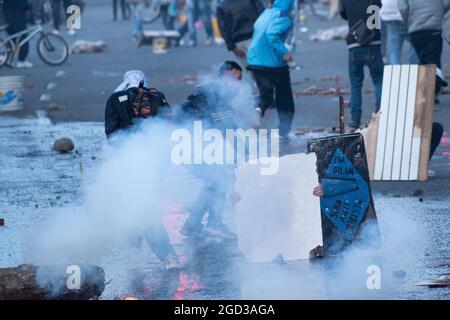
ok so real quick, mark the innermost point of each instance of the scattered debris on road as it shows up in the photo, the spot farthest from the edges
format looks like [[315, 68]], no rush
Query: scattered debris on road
[[82, 46], [335, 33], [63, 145]]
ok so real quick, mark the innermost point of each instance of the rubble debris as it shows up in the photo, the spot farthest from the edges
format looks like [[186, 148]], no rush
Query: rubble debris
[[442, 282], [279, 260], [82, 46], [315, 253], [63, 145], [335, 33], [30, 282], [53, 107], [322, 91]]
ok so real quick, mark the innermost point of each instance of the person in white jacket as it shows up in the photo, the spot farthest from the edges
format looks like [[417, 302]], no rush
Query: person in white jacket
[[397, 33]]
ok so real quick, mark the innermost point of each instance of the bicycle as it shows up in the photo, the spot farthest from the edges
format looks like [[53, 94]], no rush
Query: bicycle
[[48, 45]]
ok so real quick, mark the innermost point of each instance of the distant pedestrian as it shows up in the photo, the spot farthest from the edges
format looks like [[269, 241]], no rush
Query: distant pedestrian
[[17, 13], [397, 33], [57, 9], [199, 10], [364, 51], [268, 59], [124, 8], [424, 20], [236, 19]]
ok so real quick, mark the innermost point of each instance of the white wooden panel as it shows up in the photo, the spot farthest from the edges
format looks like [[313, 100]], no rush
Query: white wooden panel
[[382, 129], [400, 126], [287, 223], [391, 123], [409, 122]]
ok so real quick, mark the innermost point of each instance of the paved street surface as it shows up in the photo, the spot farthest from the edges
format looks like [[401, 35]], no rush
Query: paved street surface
[[37, 184]]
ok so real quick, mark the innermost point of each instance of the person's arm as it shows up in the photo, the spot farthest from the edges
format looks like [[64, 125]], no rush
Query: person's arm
[[403, 7], [112, 118], [222, 21], [342, 10], [275, 33]]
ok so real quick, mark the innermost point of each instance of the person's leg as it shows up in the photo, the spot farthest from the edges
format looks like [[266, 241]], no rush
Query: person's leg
[[285, 101], [158, 240], [376, 68], [24, 50], [428, 45], [384, 39], [205, 15], [56, 9], [395, 37], [114, 5], [192, 16], [413, 58], [436, 136], [356, 73], [266, 90]]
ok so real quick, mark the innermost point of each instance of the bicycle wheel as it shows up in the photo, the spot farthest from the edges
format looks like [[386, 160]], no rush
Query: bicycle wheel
[[4, 53], [52, 49]]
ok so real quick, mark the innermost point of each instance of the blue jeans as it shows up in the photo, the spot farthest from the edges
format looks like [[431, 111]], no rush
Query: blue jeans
[[199, 9], [360, 57], [397, 33]]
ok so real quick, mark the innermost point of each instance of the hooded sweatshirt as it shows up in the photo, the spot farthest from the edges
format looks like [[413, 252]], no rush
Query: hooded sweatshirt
[[389, 11], [270, 32]]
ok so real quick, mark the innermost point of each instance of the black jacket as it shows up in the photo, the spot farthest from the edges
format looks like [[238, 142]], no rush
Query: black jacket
[[236, 19], [211, 105], [119, 112], [355, 10]]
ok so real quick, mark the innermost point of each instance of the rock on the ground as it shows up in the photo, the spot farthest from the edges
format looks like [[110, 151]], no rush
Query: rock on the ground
[[63, 145]]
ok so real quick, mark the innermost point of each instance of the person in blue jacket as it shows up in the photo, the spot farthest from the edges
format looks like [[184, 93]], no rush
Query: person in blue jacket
[[268, 59]]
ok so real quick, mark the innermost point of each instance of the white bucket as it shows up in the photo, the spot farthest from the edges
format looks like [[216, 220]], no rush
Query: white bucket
[[11, 93]]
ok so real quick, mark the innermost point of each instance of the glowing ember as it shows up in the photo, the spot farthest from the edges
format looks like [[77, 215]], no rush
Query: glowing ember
[[129, 298]]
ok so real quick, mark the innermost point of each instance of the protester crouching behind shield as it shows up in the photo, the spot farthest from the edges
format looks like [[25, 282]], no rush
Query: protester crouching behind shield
[[211, 104]]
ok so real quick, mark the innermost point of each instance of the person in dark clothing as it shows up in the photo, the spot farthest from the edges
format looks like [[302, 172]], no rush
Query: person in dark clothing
[[125, 9], [132, 102], [360, 56], [236, 19], [17, 13], [268, 59], [211, 104], [436, 136], [57, 10]]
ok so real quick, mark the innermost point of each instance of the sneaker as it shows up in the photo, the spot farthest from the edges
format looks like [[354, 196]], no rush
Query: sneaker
[[256, 121], [219, 41], [431, 173], [192, 44], [181, 42], [55, 32], [172, 262], [24, 64], [71, 32], [191, 231], [209, 42]]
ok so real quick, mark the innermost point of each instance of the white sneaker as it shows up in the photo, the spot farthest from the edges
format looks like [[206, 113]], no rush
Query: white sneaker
[[219, 41], [431, 173], [256, 121], [24, 64], [209, 42], [192, 44], [55, 32], [71, 32]]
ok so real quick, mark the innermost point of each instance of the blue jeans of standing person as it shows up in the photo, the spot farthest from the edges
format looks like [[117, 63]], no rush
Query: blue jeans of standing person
[[199, 9], [397, 33], [359, 57]]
